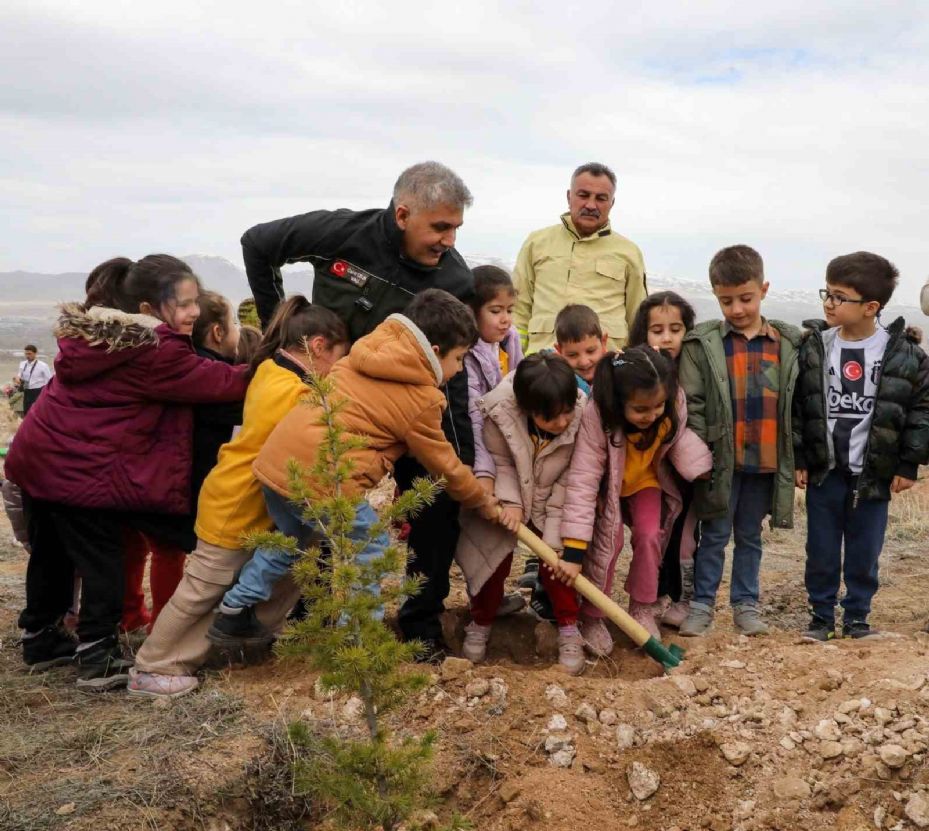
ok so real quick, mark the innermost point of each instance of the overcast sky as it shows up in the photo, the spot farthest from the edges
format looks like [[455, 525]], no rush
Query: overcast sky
[[797, 127]]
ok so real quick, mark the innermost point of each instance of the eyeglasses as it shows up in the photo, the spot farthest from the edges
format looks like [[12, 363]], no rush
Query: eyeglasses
[[837, 299]]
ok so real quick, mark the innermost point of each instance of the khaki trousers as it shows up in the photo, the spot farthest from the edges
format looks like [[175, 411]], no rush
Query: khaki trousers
[[178, 644]]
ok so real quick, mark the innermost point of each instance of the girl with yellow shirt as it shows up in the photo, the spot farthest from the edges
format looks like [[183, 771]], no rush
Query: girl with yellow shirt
[[300, 338], [632, 448]]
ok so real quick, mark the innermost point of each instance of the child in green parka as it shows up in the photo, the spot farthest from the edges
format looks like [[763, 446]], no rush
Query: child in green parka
[[739, 374]]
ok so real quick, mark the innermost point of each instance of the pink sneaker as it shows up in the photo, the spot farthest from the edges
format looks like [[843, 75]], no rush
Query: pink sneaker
[[676, 614], [474, 647], [596, 636], [571, 650], [644, 613], [149, 685]]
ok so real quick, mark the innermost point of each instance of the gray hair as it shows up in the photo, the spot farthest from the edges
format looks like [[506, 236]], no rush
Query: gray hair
[[428, 185], [595, 169]]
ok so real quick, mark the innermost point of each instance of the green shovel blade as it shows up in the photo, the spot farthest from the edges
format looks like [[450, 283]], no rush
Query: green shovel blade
[[668, 656]]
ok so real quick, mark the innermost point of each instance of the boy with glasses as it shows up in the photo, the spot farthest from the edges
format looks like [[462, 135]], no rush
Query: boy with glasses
[[861, 430]]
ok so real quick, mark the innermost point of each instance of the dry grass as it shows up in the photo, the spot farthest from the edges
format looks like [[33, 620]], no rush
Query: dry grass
[[268, 786], [45, 717], [63, 750], [908, 519], [909, 516], [8, 422]]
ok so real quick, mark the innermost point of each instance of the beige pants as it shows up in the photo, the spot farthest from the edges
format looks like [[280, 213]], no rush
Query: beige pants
[[178, 644]]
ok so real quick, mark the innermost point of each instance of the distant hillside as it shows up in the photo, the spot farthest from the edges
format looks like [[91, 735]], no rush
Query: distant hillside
[[29, 287], [793, 306], [28, 300], [33, 288]]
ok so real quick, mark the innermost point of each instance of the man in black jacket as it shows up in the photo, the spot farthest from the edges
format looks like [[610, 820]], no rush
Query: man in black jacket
[[369, 265]]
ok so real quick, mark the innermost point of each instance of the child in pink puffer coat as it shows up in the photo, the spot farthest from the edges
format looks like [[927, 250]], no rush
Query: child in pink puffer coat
[[631, 445]]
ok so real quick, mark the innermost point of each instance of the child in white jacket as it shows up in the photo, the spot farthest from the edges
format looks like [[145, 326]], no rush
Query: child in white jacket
[[530, 422]]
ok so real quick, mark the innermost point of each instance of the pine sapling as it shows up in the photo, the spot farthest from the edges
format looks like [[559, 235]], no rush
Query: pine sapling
[[352, 569]]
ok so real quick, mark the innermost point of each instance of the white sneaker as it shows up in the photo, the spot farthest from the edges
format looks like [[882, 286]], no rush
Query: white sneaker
[[676, 614], [571, 650], [475, 642]]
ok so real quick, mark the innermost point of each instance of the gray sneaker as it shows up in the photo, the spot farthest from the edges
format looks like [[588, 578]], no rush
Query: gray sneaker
[[747, 619], [511, 604], [699, 620]]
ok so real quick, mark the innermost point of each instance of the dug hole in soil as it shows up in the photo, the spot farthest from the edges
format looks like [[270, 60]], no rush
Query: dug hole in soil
[[768, 733]]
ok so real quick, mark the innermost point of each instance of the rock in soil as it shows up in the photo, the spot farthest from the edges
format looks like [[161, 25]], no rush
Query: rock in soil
[[556, 696], [586, 712], [791, 787], [892, 755], [830, 750], [917, 810], [453, 668], [736, 753], [643, 781], [477, 688], [625, 736]]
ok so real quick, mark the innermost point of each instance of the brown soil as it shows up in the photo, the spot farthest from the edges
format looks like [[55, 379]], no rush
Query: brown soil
[[778, 708]]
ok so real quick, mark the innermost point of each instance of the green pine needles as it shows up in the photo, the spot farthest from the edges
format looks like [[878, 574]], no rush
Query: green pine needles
[[363, 778]]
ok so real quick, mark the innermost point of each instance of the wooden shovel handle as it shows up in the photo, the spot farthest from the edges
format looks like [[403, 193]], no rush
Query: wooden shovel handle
[[585, 588]]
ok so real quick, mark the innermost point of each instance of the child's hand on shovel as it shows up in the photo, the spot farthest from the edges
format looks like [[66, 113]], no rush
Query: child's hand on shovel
[[567, 572], [510, 518]]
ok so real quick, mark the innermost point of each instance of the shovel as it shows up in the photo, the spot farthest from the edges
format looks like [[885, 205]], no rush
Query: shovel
[[668, 656]]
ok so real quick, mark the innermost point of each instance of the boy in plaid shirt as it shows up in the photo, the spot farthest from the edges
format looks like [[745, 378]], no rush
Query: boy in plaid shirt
[[739, 374]]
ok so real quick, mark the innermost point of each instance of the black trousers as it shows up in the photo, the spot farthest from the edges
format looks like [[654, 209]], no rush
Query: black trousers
[[29, 398], [432, 541], [669, 575], [64, 539]]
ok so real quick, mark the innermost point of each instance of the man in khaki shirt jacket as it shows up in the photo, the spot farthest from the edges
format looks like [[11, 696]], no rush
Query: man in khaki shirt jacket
[[579, 260]]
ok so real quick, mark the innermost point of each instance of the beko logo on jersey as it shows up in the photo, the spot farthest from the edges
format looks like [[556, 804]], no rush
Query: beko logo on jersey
[[850, 402]]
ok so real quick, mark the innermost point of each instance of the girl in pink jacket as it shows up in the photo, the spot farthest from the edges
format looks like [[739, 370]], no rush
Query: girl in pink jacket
[[632, 438], [661, 322]]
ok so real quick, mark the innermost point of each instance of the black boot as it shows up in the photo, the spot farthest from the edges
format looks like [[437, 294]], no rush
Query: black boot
[[540, 605], [239, 630], [859, 630], [820, 629], [530, 574], [102, 666], [52, 647], [434, 651]]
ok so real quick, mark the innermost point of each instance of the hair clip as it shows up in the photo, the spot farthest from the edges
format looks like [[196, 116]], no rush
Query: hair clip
[[618, 361]]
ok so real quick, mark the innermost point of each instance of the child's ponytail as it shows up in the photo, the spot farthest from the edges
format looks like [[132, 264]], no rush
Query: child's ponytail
[[104, 283], [125, 285], [619, 375], [214, 311], [296, 320]]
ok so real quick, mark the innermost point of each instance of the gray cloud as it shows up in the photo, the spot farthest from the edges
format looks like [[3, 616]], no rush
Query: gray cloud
[[792, 127]]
